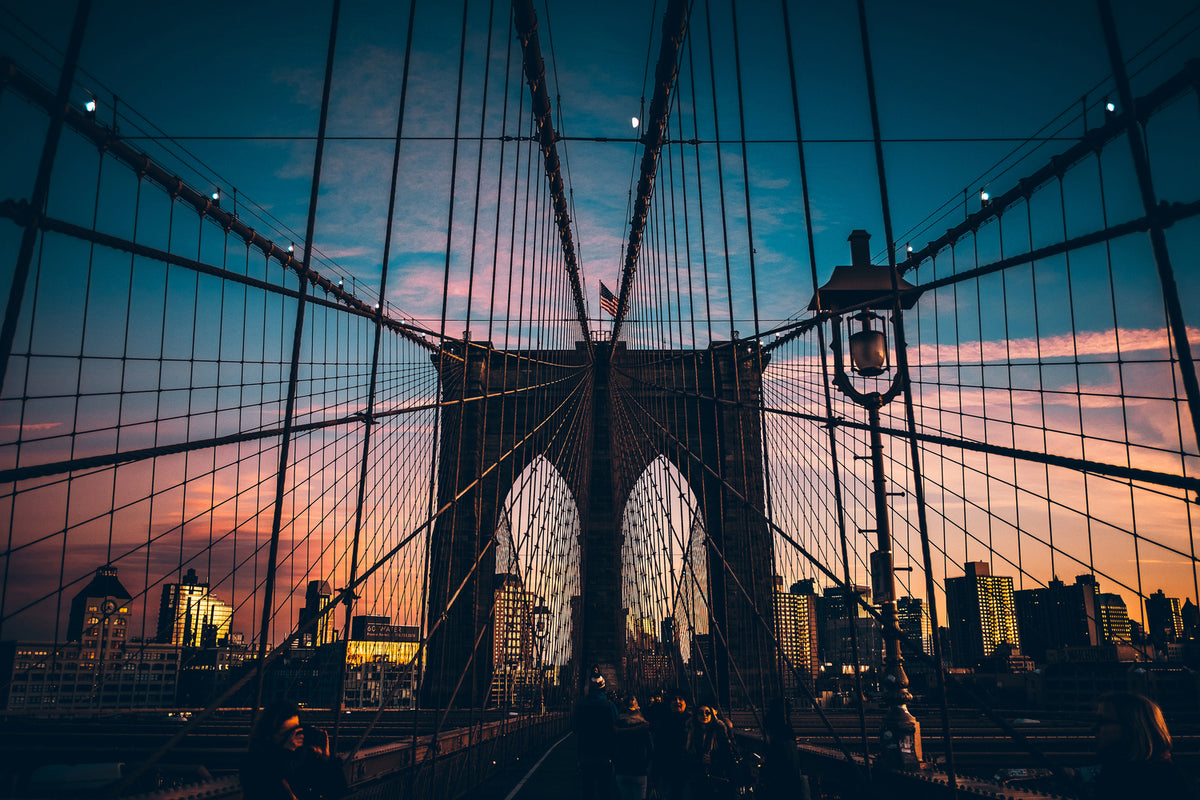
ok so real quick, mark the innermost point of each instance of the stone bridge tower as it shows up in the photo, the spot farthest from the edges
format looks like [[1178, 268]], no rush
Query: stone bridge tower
[[697, 408]]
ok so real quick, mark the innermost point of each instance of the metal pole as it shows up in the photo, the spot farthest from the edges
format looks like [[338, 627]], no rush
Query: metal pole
[[900, 731]]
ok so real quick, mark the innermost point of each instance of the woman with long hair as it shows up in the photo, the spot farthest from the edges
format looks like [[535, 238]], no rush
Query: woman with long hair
[[1135, 751]]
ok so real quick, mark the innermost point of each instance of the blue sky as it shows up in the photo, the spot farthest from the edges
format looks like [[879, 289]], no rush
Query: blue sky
[[253, 70]]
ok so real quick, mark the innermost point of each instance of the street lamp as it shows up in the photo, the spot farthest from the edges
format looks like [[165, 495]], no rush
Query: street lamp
[[541, 629], [859, 288]]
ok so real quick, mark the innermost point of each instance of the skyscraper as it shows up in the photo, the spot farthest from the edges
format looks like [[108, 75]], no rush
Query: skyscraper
[[1114, 620], [913, 618], [981, 613], [190, 616], [512, 637], [836, 641], [1058, 615], [796, 630], [1164, 622], [316, 596]]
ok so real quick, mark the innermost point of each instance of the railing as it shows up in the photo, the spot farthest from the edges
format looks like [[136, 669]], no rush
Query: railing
[[430, 766]]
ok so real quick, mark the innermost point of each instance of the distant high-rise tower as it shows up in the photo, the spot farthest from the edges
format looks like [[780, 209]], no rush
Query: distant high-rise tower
[[913, 617], [1058, 616], [190, 616], [100, 613], [796, 630], [314, 634], [1164, 622], [512, 637], [1191, 620], [1114, 620], [836, 643], [982, 613], [701, 658]]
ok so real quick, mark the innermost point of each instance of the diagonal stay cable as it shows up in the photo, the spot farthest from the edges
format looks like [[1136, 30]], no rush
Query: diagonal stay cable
[[129, 456], [338, 598], [914, 647], [750, 600], [1078, 464]]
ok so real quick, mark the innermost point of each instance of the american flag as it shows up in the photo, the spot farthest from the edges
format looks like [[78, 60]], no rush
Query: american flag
[[608, 300]]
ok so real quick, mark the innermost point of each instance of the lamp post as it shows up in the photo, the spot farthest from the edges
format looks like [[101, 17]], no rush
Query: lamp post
[[541, 628], [859, 288]]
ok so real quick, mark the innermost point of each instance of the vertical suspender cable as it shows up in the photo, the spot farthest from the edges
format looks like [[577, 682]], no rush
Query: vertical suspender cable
[[758, 360], [902, 365], [812, 260], [294, 374], [41, 186], [368, 415], [675, 25], [1158, 240]]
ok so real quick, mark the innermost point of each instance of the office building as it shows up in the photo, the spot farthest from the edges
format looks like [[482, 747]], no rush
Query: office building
[[512, 639], [99, 668], [796, 632], [1164, 621], [981, 612], [315, 626], [189, 615], [839, 634], [375, 668], [915, 625], [1115, 627], [1058, 615]]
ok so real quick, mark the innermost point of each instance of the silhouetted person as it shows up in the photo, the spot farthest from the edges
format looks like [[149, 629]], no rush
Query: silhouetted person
[[595, 721], [655, 708], [1135, 752], [631, 758], [318, 774], [712, 755], [780, 775], [281, 766], [671, 771]]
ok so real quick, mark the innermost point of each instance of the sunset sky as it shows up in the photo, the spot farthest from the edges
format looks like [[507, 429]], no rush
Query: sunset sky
[[227, 95]]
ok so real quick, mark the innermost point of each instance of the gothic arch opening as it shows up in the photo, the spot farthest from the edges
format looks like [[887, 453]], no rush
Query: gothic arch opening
[[664, 582], [536, 587]]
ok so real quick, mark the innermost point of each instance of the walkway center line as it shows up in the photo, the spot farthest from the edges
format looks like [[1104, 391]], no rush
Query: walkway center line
[[521, 784]]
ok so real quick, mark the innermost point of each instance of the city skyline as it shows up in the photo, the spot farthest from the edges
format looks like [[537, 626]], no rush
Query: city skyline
[[1067, 357]]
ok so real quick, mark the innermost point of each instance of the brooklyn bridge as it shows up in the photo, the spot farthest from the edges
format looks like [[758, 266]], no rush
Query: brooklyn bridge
[[415, 363]]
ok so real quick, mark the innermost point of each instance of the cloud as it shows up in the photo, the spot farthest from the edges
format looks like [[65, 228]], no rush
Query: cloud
[[1062, 346]]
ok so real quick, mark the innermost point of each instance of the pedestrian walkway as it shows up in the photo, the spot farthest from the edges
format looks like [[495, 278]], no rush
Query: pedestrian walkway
[[549, 775]]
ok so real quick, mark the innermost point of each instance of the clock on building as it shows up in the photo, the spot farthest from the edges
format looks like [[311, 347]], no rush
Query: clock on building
[[110, 606]]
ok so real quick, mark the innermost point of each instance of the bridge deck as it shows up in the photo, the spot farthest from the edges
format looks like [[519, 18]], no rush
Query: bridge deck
[[552, 775], [548, 775]]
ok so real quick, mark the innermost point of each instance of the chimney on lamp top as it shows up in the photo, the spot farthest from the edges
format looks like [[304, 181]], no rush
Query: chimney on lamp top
[[860, 248]]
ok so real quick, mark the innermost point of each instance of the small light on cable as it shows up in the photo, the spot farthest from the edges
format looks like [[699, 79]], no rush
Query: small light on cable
[[908, 248], [291, 247], [216, 196], [634, 121], [90, 106], [1110, 109], [984, 197]]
